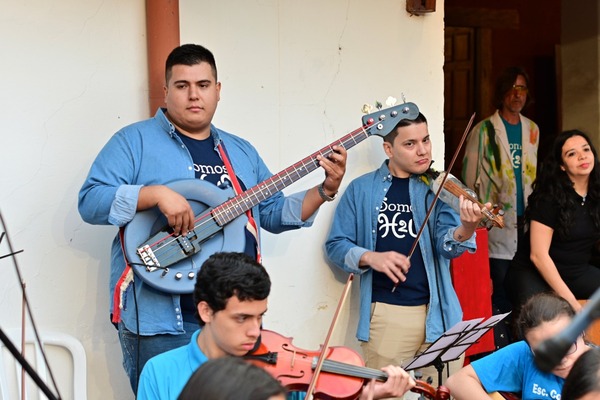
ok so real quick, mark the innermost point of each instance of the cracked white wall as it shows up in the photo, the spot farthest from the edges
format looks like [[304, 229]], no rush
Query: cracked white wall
[[295, 75]]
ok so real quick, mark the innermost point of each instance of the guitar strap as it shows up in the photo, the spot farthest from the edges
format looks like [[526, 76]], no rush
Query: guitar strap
[[251, 225], [122, 284]]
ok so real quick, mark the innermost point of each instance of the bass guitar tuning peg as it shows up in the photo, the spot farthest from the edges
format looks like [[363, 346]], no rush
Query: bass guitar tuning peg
[[366, 108]]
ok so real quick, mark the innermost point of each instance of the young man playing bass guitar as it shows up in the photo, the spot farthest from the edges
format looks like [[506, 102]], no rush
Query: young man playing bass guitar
[[131, 173]]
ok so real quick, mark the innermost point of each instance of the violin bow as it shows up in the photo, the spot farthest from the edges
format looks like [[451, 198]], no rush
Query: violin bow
[[438, 192], [325, 345]]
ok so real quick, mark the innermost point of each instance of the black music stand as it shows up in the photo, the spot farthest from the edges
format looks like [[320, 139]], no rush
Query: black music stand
[[453, 343], [9, 344]]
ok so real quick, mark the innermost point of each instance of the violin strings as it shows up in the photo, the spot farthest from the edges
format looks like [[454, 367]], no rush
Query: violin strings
[[353, 370]]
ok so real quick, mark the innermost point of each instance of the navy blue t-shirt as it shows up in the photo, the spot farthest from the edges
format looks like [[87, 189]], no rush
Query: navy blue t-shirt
[[209, 166], [396, 231]]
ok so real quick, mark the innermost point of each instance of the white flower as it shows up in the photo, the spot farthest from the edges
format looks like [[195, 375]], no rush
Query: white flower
[[390, 101], [367, 108]]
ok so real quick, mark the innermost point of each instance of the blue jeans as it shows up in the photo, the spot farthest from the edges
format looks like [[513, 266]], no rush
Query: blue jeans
[[148, 347]]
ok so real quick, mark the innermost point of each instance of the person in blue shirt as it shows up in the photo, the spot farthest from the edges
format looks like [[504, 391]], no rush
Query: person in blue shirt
[[512, 368], [180, 142], [231, 294], [374, 227]]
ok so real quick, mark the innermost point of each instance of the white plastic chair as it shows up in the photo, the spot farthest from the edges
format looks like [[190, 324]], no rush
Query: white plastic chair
[[65, 355]]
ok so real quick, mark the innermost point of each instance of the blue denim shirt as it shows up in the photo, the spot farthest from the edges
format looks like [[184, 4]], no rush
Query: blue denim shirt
[[150, 152], [354, 232]]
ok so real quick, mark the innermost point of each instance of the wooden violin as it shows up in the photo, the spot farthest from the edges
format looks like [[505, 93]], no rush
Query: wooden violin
[[454, 188], [343, 373]]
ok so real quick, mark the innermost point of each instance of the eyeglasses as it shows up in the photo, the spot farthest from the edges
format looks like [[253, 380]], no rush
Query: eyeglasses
[[572, 349], [520, 89]]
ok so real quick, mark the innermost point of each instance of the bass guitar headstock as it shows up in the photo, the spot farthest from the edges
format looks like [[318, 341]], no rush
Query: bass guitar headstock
[[383, 121]]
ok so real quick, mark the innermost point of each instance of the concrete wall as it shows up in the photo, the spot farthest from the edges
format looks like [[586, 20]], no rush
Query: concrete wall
[[294, 74]]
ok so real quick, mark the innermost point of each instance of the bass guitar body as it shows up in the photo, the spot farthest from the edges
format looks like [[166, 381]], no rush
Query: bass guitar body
[[208, 237]]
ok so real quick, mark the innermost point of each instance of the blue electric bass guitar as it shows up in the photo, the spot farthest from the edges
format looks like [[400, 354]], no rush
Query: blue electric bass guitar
[[169, 263]]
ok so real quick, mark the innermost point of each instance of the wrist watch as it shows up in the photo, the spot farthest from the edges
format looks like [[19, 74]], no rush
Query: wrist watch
[[324, 195]]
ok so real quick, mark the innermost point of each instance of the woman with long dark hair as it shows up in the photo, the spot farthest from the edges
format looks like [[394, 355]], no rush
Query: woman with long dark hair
[[563, 214]]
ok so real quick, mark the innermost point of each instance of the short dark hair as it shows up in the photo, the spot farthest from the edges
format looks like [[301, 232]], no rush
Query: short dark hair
[[224, 275], [540, 308], [404, 122], [189, 54], [584, 377], [231, 378], [505, 83]]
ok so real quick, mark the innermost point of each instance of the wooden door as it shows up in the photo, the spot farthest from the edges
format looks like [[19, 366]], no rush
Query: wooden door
[[459, 89]]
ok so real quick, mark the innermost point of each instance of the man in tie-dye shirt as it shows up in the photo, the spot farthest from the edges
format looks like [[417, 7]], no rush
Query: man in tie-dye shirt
[[500, 165]]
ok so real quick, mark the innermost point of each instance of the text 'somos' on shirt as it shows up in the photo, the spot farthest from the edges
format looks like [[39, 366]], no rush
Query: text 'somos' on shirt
[[208, 166], [396, 231]]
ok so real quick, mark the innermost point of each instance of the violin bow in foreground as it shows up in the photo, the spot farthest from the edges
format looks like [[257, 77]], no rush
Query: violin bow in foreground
[[438, 192], [325, 346]]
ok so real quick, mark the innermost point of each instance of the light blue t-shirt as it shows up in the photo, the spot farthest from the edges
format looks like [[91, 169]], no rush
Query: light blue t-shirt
[[164, 376], [512, 369], [515, 139]]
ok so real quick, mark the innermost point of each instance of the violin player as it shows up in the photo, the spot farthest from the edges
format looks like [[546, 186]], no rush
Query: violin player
[[513, 368], [405, 303], [180, 142], [230, 295]]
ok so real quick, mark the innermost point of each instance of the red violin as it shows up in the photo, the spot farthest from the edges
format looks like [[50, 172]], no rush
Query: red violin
[[343, 373]]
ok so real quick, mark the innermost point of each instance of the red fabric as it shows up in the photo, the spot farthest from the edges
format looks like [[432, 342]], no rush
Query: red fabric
[[473, 285], [238, 190], [116, 312]]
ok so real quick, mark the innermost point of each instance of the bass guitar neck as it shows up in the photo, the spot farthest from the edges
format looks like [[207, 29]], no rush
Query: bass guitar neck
[[169, 263]]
